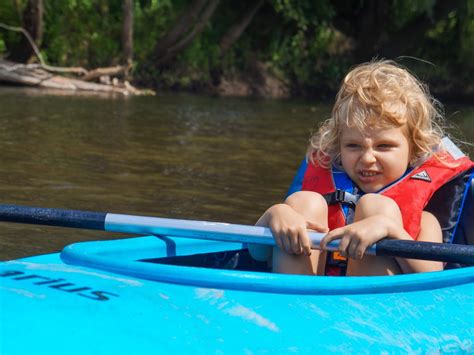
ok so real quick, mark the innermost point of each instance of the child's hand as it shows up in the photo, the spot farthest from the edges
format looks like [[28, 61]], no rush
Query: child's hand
[[290, 229], [358, 236]]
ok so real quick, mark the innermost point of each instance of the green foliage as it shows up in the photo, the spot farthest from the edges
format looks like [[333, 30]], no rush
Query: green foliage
[[302, 42], [82, 32], [405, 11], [151, 20], [301, 48], [466, 45], [304, 14], [10, 16]]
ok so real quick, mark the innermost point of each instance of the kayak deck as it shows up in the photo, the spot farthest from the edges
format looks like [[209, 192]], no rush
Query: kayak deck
[[102, 298]]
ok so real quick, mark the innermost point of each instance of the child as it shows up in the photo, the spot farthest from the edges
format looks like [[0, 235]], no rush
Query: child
[[382, 128]]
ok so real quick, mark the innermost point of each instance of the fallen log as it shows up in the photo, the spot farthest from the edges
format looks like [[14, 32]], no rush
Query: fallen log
[[24, 74]]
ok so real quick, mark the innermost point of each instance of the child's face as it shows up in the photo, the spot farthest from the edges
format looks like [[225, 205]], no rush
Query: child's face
[[374, 158]]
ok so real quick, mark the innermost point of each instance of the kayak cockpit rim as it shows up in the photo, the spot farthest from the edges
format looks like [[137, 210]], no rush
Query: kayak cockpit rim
[[129, 257]]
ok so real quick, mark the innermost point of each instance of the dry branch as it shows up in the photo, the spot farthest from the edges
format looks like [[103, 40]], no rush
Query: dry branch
[[77, 70], [40, 75], [108, 71]]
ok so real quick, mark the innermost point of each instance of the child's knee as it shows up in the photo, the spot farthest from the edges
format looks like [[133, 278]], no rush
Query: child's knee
[[372, 204], [309, 199], [310, 204]]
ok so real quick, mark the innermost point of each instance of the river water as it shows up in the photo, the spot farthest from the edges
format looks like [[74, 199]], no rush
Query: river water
[[171, 155]]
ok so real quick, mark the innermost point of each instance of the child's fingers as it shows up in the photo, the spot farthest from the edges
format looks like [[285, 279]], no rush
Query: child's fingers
[[317, 227], [295, 242], [332, 235], [278, 241], [286, 246], [305, 244], [344, 245], [352, 248], [360, 251], [278, 236]]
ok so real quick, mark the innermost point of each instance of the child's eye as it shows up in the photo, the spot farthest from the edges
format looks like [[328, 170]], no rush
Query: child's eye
[[351, 145], [386, 146]]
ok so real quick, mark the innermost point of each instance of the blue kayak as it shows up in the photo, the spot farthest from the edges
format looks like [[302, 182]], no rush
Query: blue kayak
[[162, 295]]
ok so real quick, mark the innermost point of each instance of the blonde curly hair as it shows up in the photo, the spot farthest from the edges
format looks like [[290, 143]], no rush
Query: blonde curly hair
[[380, 94]]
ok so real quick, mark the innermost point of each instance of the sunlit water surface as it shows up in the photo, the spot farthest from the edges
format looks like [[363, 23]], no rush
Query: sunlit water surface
[[173, 155]]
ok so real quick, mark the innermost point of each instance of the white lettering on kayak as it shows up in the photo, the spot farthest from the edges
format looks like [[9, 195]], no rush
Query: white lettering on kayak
[[58, 284]]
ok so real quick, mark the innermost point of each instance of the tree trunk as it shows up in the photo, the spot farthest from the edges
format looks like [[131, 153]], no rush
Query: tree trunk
[[33, 24], [127, 35], [182, 34], [180, 28], [234, 32]]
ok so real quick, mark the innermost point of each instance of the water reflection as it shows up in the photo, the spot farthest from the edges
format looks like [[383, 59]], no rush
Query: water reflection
[[171, 155]]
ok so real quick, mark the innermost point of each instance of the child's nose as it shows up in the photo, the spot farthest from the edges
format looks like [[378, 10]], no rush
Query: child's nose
[[368, 156]]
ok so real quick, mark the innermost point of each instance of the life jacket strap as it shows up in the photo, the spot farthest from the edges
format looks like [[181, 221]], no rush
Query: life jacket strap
[[341, 196]]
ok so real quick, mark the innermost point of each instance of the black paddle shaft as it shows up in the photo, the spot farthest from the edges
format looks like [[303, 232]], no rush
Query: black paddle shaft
[[450, 253], [52, 217]]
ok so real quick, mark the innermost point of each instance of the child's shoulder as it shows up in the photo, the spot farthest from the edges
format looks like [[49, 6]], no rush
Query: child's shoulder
[[446, 154], [448, 147]]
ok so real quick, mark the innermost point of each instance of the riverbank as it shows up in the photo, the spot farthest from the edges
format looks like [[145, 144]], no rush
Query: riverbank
[[260, 80]]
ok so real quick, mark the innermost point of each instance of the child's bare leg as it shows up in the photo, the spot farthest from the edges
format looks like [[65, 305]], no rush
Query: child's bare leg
[[314, 208], [370, 205]]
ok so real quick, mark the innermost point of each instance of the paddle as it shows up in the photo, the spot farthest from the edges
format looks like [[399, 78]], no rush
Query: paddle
[[122, 223]]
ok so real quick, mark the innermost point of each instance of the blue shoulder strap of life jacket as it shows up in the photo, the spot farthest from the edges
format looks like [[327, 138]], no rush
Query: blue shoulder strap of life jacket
[[450, 206], [346, 192], [464, 229], [297, 182]]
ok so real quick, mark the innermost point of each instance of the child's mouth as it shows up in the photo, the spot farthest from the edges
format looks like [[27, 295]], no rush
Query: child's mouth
[[368, 176]]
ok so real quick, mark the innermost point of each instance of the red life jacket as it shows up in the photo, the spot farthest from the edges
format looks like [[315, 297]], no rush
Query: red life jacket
[[411, 193]]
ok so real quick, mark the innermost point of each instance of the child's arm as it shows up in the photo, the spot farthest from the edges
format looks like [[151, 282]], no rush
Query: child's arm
[[358, 236]]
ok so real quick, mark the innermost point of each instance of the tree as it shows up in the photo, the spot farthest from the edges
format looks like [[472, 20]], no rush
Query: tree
[[414, 32], [32, 22], [235, 31], [188, 26], [389, 28], [127, 35]]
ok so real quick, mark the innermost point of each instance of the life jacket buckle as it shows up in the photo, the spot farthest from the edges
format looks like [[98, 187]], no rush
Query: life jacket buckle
[[341, 196]]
